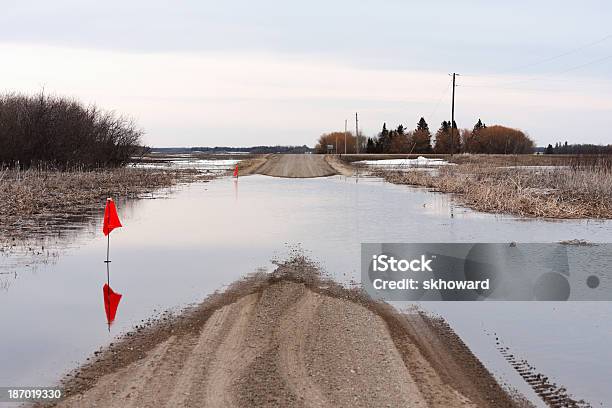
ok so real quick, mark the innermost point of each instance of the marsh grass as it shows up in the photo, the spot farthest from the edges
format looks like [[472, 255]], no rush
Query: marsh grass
[[39, 199], [579, 188]]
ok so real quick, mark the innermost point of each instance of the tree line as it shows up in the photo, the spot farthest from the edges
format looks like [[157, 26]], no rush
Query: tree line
[[253, 149], [480, 139], [565, 148], [63, 133]]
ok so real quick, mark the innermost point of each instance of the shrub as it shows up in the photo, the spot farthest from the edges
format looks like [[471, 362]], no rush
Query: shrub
[[331, 138], [62, 133], [497, 140]]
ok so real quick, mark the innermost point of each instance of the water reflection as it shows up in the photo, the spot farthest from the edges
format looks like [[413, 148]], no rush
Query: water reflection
[[46, 244], [111, 303], [111, 298], [203, 237]]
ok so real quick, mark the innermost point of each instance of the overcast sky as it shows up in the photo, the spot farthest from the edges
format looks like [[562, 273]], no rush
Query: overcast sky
[[246, 72]]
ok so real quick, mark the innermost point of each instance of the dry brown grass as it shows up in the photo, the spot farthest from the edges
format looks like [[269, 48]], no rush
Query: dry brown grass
[[493, 159], [575, 191], [38, 199]]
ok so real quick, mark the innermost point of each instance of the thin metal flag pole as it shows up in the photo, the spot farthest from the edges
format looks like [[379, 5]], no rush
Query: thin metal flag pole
[[107, 259], [108, 299], [107, 262], [107, 252]]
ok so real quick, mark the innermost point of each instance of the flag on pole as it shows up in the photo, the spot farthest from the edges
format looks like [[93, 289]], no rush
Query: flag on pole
[[111, 303], [111, 219], [236, 171]]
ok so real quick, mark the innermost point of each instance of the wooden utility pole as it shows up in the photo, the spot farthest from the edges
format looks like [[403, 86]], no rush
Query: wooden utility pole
[[356, 133], [345, 133], [452, 124]]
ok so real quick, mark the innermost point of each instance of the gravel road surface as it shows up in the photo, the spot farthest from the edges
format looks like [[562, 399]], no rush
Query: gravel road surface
[[296, 166], [287, 339]]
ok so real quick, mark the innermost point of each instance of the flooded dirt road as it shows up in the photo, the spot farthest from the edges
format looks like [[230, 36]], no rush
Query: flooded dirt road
[[289, 339], [175, 251], [296, 166]]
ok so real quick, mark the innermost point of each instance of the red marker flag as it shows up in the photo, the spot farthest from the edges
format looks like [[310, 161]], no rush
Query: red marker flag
[[236, 171], [111, 302], [111, 219]]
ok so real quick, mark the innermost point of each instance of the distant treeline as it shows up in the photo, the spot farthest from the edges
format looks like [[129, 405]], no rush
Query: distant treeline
[[566, 148], [63, 133], [480, 139], [225, 149]]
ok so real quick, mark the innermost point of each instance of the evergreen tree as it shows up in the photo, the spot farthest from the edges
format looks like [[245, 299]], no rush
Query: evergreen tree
[[549, 149], [479, 126], [370, 146], [474, 142], [456, 139], [399, 141], [443, 141], [422, 125], [421, 138], [384, 140]]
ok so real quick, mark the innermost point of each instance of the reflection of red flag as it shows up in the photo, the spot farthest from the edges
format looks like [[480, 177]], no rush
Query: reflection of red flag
[[111, 302], [236, 171], [111, 219]]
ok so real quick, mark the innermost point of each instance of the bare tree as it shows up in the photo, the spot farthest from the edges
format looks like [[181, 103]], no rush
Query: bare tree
[[63, 133]]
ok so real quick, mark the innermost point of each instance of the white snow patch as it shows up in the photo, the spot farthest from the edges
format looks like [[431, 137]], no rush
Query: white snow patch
[[199, 164], [418, 162], [536, 168]]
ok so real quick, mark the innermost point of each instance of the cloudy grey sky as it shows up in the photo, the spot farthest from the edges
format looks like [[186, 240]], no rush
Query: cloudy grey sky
[[271, 71]]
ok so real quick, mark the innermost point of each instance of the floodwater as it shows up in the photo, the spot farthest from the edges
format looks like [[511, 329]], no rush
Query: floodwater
[[174, 251]]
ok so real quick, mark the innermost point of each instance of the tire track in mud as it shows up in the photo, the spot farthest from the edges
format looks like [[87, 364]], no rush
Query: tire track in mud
[[292, 342], [354, 360], [129, 394], [189, 384], [124, 387], [554, 395], [292, 351], [231, 358]]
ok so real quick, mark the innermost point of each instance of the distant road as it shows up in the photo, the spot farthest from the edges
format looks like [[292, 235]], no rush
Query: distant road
[[296, 166]]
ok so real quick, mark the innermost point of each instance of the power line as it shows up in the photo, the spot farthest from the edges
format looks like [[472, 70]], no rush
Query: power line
[[445, 91], [556, 74], [548, 59], [593, 62], [511, 88], [553, 75], [563, 54]]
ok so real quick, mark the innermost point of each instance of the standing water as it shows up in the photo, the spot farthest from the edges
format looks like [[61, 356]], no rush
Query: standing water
[[175, 251]]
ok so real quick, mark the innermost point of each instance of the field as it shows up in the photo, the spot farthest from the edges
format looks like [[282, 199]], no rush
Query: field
[[41, 200], [525, 185]]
